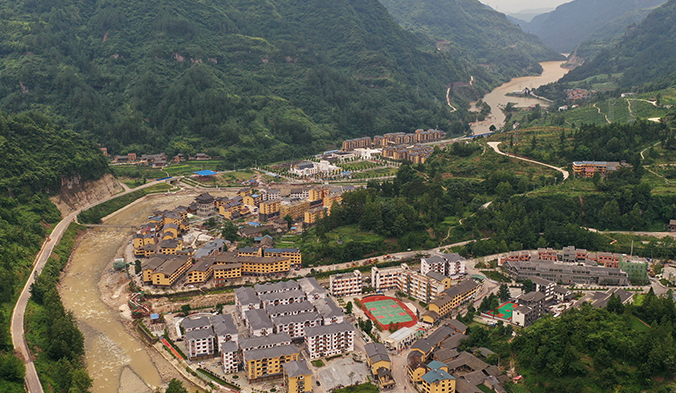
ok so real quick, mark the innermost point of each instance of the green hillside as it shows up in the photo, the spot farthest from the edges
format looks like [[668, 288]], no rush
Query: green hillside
[[251, 80], [34, 156], [572, 23], [468, 29], [646, 54]]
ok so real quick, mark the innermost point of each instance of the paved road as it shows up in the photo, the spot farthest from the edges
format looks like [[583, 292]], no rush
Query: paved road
[[494, 146], [17, 326]]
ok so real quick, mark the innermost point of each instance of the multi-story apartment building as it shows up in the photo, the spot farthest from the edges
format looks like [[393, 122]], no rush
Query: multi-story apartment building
[[246, 299], [296, 258], [200, 343], [609, 259], [225, 272], [313, 215], [276, 287], [200, 272], [346, 284], [329, 340], [352, 144], [265, 342], [330, 312], [258, 322], [297, 377], [547, 254], [424, 287], [437, 379], [450, 299], [284, 310], [295, 208], [225, 330], [265, 364], [313, 291], [278, 298], [165, 270], [384, 278], [294, 325], [229, 357], [269, 209], [272, 194], [450, 265], [564, 273]]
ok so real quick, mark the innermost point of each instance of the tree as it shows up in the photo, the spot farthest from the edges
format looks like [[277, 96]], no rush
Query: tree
[[185, 309], [137, 266], [615, 305], [289, 221], [348, 308], [229, 231], [528, 286], [503, 292], [176, 386]]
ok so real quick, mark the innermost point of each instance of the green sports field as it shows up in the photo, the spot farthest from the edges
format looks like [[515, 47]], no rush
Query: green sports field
[[387, 312], [504, 311]]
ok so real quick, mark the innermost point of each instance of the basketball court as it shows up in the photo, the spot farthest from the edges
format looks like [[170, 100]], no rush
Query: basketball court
[[388, 311], [504, 311]]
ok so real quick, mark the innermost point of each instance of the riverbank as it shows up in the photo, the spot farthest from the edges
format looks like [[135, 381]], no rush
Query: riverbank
[[499, 97]]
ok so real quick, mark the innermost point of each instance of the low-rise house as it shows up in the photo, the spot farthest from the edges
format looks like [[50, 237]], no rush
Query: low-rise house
[[380, 364], [170, 246], [562, 294]]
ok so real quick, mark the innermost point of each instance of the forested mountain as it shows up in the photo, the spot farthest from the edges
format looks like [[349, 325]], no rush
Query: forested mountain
[[469, 29], [580, 20], [646, 54], [265, 79], [34, 157]]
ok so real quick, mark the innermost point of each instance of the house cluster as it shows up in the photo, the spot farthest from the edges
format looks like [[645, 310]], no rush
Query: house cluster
[[214, 261], [417, 154], [393, 139], [154, 160], [579, 94], [435, 365], [162, 234], [277, 314], [263, 358], [309, 168], [307, 204], [590, 168], [575, 266]]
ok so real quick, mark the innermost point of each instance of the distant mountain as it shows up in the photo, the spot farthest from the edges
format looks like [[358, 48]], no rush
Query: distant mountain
[[250, 80], [470, 29], [646, 54], [572, 23], [528, 15]]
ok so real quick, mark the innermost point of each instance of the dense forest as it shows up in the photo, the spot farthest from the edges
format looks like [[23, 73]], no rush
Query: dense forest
[[34, 157], [460, 27], [645, 55], [574, 22], [260, 80]]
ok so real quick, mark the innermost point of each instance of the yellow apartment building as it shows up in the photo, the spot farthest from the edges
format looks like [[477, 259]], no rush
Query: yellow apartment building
[[450, 299], [229, 271], [313, 215], [264, 364], [200, 272], [295, 209], [297, 377]]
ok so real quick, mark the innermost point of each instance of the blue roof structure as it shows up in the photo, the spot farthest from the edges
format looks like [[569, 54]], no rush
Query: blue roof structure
[[154, 316], [206, 172], [253, 224], [436, 376]]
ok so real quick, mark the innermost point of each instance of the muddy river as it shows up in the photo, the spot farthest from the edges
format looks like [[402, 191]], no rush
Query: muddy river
[[498, 98], [116, 360]]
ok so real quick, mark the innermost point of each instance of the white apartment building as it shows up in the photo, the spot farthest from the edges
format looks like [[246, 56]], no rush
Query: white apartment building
[[294, 324], [225, 329], [290, 309], [312, 289], [330, 312], [258, 323], [329, 340], [450, 265], [267, 342], [200, 343], [276, 287], [229, 357], [246, 299], [387, 277], [346, 284], [271, 194], [278, 298]]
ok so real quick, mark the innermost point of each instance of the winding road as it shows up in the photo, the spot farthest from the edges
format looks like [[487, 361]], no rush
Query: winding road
[[18, 315], [494, 146]]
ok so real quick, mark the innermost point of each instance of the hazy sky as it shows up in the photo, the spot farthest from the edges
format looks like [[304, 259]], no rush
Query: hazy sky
[[519, 5]]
